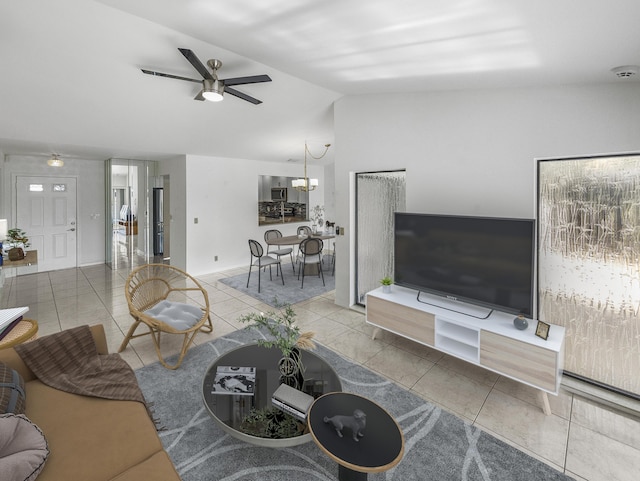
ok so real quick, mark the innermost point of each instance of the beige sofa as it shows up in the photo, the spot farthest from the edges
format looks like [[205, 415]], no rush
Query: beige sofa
[[93, 439]]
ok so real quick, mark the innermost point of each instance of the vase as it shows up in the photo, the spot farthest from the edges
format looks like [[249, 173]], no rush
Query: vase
[[521, 323], [292, 369], [386, 289]]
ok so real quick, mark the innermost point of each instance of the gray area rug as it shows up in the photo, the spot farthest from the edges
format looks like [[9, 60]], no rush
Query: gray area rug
[[290, 293], [438, 445]]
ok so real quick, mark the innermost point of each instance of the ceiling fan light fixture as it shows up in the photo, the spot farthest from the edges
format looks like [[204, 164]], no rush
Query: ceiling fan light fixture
[[213, 90], [55, 161]]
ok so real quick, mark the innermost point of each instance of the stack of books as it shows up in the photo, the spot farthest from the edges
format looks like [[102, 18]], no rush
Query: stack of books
[[9, 318], [292, 401]]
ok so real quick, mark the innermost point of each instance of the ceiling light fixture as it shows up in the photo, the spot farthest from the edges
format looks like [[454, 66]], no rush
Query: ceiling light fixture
[[55, 161], [212, 90], [625, 71], [305, 184]]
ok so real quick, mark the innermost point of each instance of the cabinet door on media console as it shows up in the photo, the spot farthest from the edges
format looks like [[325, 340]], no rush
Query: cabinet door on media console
[[412, 323], [528, 363]]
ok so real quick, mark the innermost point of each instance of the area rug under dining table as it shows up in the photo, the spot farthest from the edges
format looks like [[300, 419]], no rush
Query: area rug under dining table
[[438, 445], [272, 290]]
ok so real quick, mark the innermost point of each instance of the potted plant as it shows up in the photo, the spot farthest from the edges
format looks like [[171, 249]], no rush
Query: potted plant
[[17, 240], [271, 423], [286, 336], [386, 284]]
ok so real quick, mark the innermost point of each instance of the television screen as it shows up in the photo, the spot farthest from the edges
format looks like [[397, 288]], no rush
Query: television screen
[[485, 261]]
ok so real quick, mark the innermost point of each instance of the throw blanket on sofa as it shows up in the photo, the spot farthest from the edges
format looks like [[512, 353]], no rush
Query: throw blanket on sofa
[[69, 361]]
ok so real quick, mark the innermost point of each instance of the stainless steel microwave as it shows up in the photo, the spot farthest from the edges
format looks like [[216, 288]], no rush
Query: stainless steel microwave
[[279, 194]]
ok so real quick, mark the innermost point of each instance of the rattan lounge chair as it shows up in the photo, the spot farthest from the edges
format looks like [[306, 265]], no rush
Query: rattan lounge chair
[[166, 299]]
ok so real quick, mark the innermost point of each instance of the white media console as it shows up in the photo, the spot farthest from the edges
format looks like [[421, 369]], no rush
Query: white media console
[[493, 343]]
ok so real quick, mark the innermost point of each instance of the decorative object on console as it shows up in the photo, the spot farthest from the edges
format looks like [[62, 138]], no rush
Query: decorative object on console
[[305, 184], [18, 241], [386, 284], [330, 226], [542, 330], [521, 322]]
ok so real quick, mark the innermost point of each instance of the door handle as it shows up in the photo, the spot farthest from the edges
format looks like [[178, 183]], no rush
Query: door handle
[[72, 229]]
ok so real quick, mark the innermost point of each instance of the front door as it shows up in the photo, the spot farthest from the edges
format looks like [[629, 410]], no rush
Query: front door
[[46, 211]]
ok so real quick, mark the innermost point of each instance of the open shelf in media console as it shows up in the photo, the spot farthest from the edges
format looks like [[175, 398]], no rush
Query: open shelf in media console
[[458, 332], [458, 340]]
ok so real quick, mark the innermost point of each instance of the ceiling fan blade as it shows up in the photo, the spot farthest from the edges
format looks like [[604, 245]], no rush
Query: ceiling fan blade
[[197, 64], [199, 96], [253, 79], [242, 96], [160, 74]]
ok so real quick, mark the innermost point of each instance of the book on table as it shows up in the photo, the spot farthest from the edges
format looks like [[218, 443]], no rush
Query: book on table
[[235, 380], [292, 401]]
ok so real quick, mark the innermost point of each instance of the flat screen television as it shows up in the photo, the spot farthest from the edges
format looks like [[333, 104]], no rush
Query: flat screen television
[[485, 261]]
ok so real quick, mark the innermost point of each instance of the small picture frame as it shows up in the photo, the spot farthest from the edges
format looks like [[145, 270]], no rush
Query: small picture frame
[[542, 330]]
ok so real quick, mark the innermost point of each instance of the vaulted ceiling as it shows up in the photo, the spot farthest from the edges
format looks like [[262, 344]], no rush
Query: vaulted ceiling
[[71, 80]]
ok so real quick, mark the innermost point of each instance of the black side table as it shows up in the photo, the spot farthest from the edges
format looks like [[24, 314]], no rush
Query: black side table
[[379, 449]]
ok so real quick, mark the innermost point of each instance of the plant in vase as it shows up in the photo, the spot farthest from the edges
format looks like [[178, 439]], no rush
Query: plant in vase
[[286, 336], [17, 241], [317, 214], [386, 284]]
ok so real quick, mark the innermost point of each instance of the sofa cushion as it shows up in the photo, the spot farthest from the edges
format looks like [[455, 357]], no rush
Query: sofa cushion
[[178, 315], [91, 439], [23, 448], [12, 393]]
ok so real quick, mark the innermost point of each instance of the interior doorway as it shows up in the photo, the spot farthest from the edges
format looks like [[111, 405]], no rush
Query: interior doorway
[[129, 200]]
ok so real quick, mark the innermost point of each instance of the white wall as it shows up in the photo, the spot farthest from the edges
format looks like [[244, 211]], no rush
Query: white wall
[[222, 194], [90, 198], [473, 152]]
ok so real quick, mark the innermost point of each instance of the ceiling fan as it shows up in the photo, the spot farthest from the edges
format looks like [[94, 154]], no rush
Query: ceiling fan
[[212, 87]]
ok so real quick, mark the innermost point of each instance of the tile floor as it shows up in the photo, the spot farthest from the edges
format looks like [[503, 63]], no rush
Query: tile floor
[[581, 438]]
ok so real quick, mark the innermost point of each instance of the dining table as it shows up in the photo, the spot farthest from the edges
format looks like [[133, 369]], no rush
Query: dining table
[[295, 240]]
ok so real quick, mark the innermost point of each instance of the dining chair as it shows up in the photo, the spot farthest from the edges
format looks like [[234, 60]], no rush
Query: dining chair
[[259, 259], [273, 234], [303, 230], [311, 249]]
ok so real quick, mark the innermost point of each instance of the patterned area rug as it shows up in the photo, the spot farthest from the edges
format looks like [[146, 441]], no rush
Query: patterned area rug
[[290, 293], [438, 445]]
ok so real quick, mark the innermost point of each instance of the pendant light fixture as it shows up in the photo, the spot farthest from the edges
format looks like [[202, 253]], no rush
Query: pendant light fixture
[[305, 184]]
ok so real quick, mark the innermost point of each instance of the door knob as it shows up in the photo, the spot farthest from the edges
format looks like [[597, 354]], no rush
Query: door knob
[[72, 229]]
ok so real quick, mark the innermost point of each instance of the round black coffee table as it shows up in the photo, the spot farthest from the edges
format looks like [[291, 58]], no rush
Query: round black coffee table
[[380, 448], [228, 411]]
